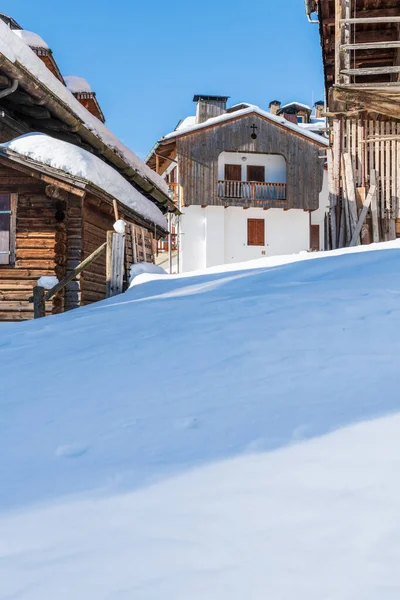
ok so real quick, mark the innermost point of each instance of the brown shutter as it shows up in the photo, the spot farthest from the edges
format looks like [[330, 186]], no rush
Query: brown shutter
[[314, 237], [5, 222], [255, 173], [233, 173], [255, 232]]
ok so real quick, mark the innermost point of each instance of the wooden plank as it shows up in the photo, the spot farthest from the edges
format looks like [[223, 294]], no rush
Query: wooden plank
[[39, 309], [371, 45], [397, 170], [357, 229], [373, 20], [117, 264], [84, 264], [350, 191], [109, 263], [374, 208], [371, 71]]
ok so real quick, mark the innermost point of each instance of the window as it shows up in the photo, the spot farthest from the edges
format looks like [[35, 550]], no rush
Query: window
[[255, 173], [255, 232], [233, 173], [7, 229], [300, 119]]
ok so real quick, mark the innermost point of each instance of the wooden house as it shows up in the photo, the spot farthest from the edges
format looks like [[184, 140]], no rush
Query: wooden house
[[248, 183], [63, 178], [361, 54]]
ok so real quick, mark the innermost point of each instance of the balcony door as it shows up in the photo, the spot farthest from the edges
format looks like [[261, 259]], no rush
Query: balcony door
[[233, 179]]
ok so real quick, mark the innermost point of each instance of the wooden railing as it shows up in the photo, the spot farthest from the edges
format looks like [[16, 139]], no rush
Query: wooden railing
[[174, 190], [252, 190]]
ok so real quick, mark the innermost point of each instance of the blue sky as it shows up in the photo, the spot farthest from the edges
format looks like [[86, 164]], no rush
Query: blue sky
[[145, 60]]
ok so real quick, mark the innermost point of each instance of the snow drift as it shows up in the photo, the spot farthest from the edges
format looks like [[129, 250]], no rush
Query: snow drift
[[225, 435]]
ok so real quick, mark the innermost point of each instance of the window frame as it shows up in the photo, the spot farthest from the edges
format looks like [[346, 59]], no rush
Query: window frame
[[255, 243], [12, 229]]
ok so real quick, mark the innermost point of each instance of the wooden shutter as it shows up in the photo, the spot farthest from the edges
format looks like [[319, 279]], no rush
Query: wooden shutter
[[314, 237], [255, 173], [233, 172], [5, 228], [255, 232]]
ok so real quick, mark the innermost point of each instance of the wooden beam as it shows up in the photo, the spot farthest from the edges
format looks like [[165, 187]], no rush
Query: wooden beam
[[371, 45], [373, 20], [75, 272], [363, 214], [373, 86], [371, 71]]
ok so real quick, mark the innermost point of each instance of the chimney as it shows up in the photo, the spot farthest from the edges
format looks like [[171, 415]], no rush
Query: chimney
[[319, 109], [274, 106], [209, 107]]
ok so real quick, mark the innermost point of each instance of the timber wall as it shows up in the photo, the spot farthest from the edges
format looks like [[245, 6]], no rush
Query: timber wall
[[39, 248]]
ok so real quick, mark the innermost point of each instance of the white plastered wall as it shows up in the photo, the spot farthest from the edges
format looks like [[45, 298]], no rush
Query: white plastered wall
[[275, 165], [318, 216], [214, 235]]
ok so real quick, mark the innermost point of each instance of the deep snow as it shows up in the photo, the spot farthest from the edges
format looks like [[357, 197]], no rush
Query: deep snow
[[221, 435]]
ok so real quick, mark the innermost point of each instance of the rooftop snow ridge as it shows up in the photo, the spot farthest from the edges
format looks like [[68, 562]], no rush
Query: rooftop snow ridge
[[77, 84], [31, 39], [80, 163], [251, 108]]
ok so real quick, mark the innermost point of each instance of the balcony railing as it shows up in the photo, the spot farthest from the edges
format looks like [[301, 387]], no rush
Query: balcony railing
[[252, 190]]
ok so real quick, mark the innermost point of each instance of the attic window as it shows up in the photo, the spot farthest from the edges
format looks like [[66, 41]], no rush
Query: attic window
[[300, 119]]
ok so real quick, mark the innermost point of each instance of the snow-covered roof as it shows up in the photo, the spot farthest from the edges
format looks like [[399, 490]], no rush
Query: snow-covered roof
[[77, 84], [31, 39], [186, 123], [15, 50], [81, 164], [314, 125], [305, 106], [246, 111]]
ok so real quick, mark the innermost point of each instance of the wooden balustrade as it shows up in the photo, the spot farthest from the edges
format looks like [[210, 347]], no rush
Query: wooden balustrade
[[252, 190]]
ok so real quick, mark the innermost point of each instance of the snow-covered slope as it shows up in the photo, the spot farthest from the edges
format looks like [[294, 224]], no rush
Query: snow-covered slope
[[227, 435]]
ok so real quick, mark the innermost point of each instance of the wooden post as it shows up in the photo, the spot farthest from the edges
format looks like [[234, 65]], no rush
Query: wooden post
[[117, 264], [348, 175], [143, 245], [109, 263], [134, 245], [115, 206], [39, 309]]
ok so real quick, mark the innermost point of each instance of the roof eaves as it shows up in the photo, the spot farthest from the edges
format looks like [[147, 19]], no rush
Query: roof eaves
[[74, 181]]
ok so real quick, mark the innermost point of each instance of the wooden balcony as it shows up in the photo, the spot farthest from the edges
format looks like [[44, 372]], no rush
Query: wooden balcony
[[251, 190], [173, 189]]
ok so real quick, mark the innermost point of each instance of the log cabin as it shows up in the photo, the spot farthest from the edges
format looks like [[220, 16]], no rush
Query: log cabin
[[63, 174], [361, 56], [248, 183]]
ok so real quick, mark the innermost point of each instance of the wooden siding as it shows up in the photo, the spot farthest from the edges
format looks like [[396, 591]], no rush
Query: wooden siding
[[198, 154], [40, 244], [55, 230], [97, 220]]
